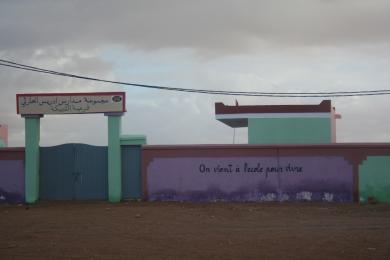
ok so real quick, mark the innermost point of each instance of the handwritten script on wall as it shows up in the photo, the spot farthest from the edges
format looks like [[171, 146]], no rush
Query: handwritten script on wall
[[79, 103], [250, 178], [254, 168]]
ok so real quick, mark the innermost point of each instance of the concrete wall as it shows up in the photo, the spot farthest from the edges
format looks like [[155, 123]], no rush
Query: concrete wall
[[12, 175], [265, 178], [374, 179], [289, 130], [321, 172]]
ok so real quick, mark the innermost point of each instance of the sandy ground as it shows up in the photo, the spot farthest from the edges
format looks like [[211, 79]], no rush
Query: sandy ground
[[156, 230]]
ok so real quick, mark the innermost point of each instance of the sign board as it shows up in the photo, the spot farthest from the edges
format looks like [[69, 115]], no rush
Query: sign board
[[71, 103]]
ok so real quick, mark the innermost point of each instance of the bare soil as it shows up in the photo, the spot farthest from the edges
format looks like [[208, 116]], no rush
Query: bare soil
[[157, 230]]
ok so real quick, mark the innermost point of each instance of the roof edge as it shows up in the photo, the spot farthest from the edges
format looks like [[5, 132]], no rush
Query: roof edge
[[324, 106]]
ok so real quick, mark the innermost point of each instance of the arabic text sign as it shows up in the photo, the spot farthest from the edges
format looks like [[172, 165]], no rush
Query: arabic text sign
[[70, 103]]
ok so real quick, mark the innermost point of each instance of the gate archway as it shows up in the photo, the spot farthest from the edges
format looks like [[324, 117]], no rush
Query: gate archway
[[32, 107]]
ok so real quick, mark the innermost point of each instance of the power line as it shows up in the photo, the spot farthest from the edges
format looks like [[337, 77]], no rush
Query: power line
[[15, 65]]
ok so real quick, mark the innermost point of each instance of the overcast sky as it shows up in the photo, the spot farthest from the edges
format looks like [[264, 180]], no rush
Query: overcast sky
[[275, 45]]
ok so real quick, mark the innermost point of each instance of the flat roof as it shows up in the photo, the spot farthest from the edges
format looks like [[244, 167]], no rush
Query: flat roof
[[237, 116]]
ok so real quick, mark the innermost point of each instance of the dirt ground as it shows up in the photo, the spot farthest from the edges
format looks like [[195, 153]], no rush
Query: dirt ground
[[156, 230]]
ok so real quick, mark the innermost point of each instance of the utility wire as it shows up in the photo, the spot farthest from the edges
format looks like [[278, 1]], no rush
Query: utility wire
[[15, 65]]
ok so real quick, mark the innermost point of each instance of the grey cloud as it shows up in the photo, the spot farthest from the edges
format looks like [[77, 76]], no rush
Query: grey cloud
[[15, 81], [215, 26], [328, 39]]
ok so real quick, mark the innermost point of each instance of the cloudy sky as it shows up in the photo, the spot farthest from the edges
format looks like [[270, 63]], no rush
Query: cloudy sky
[[259, 45]]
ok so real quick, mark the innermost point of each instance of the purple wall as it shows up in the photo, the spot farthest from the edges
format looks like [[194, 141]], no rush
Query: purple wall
[[11, 181], [303, 178]]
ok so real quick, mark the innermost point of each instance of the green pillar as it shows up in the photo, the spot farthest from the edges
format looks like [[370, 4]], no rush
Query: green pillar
[[114, 157], [32, 132]]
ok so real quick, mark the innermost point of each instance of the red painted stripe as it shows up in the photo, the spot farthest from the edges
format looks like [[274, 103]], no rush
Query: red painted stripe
[[324, 106]]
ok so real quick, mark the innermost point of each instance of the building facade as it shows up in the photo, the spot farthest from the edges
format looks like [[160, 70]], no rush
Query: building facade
[[282, 124]]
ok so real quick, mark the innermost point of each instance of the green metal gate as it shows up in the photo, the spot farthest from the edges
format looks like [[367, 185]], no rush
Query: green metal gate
[[73, 172], [131, 172]]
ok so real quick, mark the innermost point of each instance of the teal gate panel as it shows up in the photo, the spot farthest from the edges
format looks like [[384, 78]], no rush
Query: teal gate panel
[[73, 172], [56, 178], [131, 172], [91, 165]]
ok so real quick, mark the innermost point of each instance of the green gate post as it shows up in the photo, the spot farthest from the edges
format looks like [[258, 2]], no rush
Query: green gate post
[[32, 128], [114, 157]]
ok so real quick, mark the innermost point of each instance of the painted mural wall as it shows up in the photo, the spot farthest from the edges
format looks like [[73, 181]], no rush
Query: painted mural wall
[[310, 178], [316, 172], [11, 181], [12, 175], [327, 173]]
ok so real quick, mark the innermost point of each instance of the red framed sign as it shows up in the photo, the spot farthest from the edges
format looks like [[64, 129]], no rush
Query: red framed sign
[[71, 103]]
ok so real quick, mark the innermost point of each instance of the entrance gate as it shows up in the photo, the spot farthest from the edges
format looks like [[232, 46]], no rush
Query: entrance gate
[[73, 172], [34, 106]]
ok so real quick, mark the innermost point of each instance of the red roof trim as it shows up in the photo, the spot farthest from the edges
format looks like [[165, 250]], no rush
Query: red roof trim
[[384, 146], [324, 106]]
